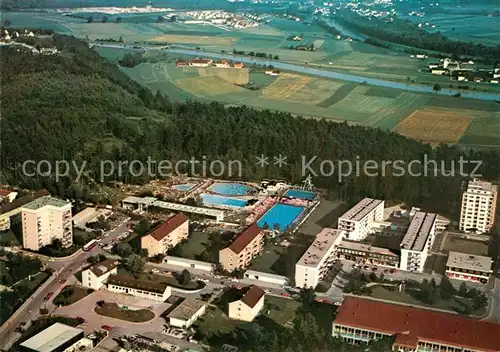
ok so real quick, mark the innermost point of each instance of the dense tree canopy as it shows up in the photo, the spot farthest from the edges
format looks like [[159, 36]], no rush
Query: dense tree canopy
[[75, 106]]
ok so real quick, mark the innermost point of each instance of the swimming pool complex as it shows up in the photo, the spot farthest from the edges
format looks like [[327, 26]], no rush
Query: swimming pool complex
[[297, 193], [229, 189], [212, 199], [281, 214], [184, 187]]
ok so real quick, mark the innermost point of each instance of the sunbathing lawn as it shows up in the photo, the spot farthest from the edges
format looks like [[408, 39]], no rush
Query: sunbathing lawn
[[214, 322], [112, 310], [281, 310], [78, 294]]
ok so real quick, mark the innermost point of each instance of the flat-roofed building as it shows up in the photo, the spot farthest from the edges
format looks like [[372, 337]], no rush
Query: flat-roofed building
[[359, 220], [139, 204], [138, 288], [249, 305], [243, 249], [90, 214], [45, 219], [186, 313], [56, 338], [10, 210], [367, 254], [361, 320], [95, 277], [475, 268], [166, 235], [478, 207], [418, 241], [318, 258]]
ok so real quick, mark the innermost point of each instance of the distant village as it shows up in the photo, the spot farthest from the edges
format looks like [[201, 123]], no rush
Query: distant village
[[465, 71], [223, 18], [200, 62], [9, 38]]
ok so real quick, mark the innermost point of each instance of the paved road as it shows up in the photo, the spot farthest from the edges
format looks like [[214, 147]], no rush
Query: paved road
[[494, 315], [64, 269]]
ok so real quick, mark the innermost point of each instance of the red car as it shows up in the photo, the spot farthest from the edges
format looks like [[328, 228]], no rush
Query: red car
[[62, 281], [286, 294], [106, 327], [393, 271], [48, 296]]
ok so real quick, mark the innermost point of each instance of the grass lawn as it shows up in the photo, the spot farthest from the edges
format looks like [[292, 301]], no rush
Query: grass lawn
[[112, 310], [203, 246], [281, 310], [458, 244], [456, 304], [214, 322], [36, 280], [279, 260], [70, 295]]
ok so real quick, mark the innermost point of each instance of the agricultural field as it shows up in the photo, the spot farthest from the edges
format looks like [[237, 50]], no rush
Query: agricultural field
[[436, 125]]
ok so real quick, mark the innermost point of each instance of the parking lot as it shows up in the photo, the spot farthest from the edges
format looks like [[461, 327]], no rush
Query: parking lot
[[85, 309]]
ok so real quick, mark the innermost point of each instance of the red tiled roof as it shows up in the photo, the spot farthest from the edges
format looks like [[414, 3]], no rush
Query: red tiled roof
[[5, 192], [201, 61], [245, 238], [253, 296], [414, 324], [162, 230]]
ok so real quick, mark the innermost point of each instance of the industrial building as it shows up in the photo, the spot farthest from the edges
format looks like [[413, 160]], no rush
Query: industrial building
[[359, 220], [477, 213], [318, 258], [186, 313], [57, 338], [45, 219], [418, 241]]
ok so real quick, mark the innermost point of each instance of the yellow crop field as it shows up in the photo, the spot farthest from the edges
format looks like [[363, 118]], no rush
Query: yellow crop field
[[194, 39], [208, 86], [286, 85], [231, 75], [436, 125]]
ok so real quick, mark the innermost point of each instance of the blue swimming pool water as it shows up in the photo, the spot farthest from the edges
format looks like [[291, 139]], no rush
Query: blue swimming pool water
[[184, 187], [297, 193], [229, 189], [211, 199], [281, 214]]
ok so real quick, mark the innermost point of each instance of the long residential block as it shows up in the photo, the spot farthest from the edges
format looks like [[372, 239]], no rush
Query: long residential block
[[359, 220]]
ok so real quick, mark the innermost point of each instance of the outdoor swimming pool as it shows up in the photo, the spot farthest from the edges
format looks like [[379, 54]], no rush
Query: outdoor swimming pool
[[297, 193], [211, 199], [184, 187], [281, 214], [229, 189]]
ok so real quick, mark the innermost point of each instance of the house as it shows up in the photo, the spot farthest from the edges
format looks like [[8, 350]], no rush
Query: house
[[200, 62], [166, 235], [494, 81], [7, 195], [243, 249], [272, 72], [238, 65], [222, 63], [138, 288], [48, 51], [439, 71], [249, 305], [95, 277], [181, 63], [421, 56], [297, 38], [434, 65], [461, 78], [186, 313], [478, 79]]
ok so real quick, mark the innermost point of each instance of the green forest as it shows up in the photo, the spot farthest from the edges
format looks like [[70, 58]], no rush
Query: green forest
[[78, 107]]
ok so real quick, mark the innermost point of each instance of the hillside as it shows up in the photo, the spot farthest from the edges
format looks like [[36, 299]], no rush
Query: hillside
[[75, 106]]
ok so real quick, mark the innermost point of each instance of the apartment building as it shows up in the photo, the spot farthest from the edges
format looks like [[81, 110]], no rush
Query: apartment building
[[361, 320], [468, 267], [139, 288], [45, 219], [366, 254], [249, 305], [95, 277], [166, 235], [359, 220], [479, 201], [318, 259], [11, 210], [243, 249], [418, 241]]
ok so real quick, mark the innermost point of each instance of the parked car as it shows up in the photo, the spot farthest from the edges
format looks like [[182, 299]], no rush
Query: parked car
[[285, 294], [106, 327], [155, 271], [47, 297], [338, 304], [62, 281], [393, 271]]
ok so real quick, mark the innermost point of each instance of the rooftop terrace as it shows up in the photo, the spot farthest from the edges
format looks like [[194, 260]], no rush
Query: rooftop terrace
[[320, 247], [46, 201]]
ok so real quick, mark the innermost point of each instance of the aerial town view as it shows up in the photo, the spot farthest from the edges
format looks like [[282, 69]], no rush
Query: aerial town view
[[249, 176]]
